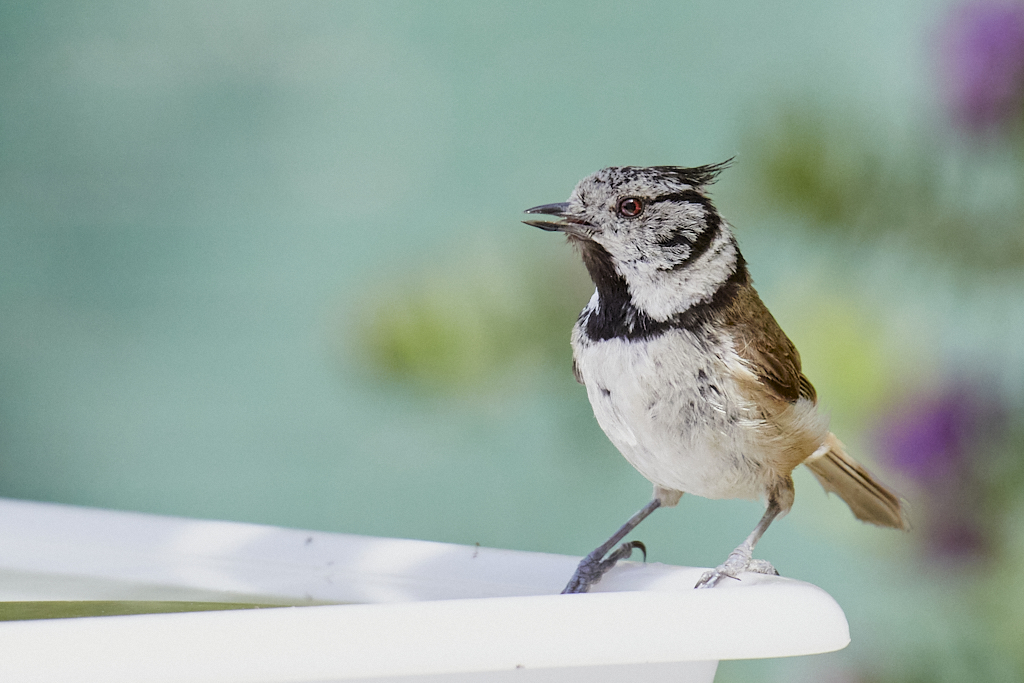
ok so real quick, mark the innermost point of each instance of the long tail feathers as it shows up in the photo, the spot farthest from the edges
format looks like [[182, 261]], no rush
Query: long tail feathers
[[868, 498]]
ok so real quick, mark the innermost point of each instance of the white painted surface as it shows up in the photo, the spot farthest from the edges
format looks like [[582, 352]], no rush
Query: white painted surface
[[427, 611]]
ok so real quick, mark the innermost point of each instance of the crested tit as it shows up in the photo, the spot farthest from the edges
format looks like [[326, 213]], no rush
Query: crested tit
[[688, 373]]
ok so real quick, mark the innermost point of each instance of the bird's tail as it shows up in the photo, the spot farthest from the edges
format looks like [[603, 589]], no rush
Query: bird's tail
[[868, 498]]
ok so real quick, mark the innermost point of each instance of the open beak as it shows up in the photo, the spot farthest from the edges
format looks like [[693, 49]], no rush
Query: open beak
[[570, 225]]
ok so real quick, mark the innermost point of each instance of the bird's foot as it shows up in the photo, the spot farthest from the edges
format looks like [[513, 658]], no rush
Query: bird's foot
[[592, 567], [739, 561]]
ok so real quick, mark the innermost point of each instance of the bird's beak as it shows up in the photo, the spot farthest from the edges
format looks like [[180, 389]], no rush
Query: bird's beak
[[570, 225]]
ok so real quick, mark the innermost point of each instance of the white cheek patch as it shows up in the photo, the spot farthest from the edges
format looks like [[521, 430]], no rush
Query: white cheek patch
[[661, 293]]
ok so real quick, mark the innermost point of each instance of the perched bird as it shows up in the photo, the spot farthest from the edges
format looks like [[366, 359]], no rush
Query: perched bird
[[688, 373]]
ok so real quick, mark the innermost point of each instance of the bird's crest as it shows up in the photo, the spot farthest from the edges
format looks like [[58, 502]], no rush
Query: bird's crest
[[698, 176]]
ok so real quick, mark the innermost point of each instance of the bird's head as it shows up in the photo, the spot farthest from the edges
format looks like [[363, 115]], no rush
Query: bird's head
[[652, 229]]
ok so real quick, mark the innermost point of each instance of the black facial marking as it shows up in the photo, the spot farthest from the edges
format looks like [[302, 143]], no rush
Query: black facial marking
[[702, 242], [686, 196], [616, 309], [700, 246], [617, 317]]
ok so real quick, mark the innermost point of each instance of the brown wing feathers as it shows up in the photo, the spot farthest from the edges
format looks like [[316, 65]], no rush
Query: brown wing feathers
[[776, 363], [765, 348]]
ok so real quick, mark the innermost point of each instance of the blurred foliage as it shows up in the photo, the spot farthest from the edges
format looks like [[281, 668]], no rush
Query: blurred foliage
[[930, 194], [807, 167], [473, 319], [952, 191], [845, 352]]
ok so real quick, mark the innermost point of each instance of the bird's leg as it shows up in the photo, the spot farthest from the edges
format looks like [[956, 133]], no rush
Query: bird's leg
[[592, 567], [740, 560]]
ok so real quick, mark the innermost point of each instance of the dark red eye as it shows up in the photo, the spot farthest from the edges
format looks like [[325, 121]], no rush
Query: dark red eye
[[630, 207]]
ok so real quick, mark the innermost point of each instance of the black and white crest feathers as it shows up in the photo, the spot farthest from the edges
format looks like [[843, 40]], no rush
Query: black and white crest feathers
[[698, 176]]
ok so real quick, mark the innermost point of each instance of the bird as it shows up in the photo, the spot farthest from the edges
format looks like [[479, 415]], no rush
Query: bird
[[688, 373]]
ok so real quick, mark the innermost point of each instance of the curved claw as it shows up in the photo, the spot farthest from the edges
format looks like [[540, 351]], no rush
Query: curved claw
[[732, 567], [623, 552], [641, 547], [592, 567], [713, 577]]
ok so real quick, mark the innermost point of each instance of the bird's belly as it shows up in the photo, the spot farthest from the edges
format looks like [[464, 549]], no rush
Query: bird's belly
[[676, 417]]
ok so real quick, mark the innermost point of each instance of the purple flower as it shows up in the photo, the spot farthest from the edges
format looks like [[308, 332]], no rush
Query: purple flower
[[943, 441], [983, 50], [933, 436]]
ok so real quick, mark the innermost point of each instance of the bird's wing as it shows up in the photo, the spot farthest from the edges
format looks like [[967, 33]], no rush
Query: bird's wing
[[767, 351]]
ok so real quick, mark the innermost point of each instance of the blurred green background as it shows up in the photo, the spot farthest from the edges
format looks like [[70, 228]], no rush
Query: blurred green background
[[263, 262]]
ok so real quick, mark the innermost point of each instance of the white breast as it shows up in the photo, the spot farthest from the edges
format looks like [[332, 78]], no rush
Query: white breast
[[669, 406]]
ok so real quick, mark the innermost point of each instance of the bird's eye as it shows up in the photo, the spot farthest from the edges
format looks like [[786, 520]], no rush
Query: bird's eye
[[630, 207]]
